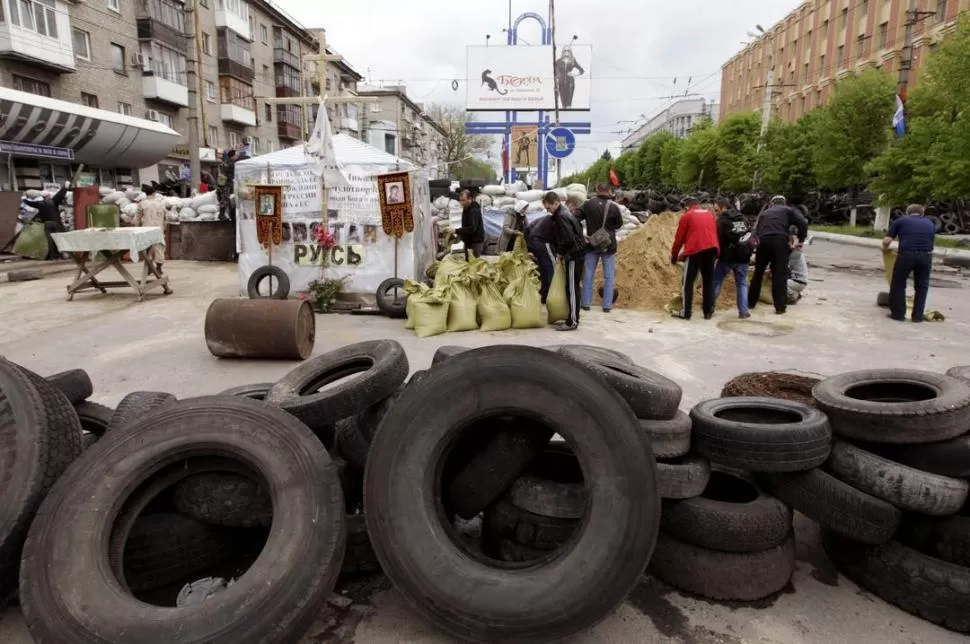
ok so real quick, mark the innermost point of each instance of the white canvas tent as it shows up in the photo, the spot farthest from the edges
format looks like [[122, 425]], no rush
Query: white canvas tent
[[365, 255]]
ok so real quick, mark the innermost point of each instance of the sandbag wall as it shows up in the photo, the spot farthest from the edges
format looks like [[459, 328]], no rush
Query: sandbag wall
[[267, 492]]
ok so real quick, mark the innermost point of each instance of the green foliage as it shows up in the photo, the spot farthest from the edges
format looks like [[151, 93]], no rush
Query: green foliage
[[737, 150], [606, 156], [785, 160], [474, 169], [697, 159]]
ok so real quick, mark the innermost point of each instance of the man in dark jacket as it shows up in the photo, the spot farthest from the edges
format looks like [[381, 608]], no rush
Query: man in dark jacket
[[540, 236], [732, 236], [917, 237], [696, 236], [570, 245], [774, 245], [600, 212], [472, 231], [49, 213]]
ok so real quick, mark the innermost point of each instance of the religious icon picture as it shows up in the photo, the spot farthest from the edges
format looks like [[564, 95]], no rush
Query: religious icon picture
[[395, 192], [267, 205]]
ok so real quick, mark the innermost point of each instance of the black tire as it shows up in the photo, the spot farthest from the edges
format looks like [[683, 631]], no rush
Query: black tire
[[761, 434], [448, 351], [963, 373], [905, 487], [947, 539], [226, 499], [956, 261], [684, 477], [280, 292], [835, 505], [255, 391], [289, 581], [94, 418], [592, 351], [649, 394], [574, 588], [136, 406], [359, 558], [166, 548], [392, 307], [946, 458], [554, 486], [937, 222], [935, 590], [732, 515], [350, 443], [882, 299], [669, 438], [87, 440], [370, 419], [39, 439], [75, 384], [492, 470], [895, 405], [505, 521], [382, 365], [517, 553], [724, 576]]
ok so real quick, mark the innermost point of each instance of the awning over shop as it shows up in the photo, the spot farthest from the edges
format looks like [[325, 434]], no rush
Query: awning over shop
[[97, 137]]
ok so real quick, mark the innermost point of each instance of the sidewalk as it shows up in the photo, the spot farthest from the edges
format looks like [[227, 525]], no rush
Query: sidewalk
[[870, 242]]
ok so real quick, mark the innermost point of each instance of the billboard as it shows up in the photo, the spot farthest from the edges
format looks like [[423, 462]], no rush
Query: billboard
[[525, 146], [522, 78]]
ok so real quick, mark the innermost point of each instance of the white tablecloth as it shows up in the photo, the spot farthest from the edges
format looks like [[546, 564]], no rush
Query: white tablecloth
[[134, 239]]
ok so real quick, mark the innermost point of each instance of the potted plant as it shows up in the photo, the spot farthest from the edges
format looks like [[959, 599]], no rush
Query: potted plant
[[323, 292]]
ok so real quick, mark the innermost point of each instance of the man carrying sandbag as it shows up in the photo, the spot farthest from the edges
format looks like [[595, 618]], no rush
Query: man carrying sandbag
[[603, 219], [472, 231], [570, 245], [917, 237], [540, 236], [774, 248], [514, 224]]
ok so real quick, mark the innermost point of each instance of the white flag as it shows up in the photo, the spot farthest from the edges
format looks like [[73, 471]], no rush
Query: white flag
[[321, 152]]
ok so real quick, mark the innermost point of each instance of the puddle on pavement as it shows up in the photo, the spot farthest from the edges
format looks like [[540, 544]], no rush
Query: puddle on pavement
[[755, 328]]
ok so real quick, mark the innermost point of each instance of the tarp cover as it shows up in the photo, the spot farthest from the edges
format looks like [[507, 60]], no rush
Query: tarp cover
[[364, 254]]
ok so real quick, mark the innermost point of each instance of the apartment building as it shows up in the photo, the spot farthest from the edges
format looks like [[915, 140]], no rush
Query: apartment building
[[97, 69], [399, 126], [678, 119], [824, 40]]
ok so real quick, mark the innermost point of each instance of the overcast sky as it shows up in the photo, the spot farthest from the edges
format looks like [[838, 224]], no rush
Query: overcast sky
[[639, 48]]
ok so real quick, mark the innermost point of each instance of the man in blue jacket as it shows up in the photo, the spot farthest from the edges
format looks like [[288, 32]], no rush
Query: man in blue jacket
[[917, 236]]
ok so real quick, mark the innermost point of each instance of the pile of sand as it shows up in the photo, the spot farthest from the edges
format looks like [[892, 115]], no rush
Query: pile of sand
[[645, 278]]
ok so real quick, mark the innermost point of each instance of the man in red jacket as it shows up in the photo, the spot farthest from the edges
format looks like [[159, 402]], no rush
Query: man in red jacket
[[697, 237]]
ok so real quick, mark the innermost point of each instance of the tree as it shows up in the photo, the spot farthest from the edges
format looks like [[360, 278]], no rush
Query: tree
[[853, 129], [697, 161], [606, 156], [785, 161], [737, 150], [650, 155], [459, 146], [475, 169], [670, 159]]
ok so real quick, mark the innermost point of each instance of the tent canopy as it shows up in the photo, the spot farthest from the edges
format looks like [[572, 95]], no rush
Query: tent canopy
[[349, 151]]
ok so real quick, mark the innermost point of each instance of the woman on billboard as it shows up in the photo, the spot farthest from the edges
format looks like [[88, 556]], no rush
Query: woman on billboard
[[565, 78]]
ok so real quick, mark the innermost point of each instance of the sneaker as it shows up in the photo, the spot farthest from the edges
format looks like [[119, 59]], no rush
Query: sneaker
[[744, 316], [565, 326], [585, 308], [777, 312], [605, 310], [890, 316], [708, 316]]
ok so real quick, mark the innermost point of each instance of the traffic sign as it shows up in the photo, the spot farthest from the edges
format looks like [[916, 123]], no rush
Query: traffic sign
[[560, 142]]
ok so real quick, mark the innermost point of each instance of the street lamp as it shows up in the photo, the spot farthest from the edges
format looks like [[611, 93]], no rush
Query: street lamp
[[487, 38]]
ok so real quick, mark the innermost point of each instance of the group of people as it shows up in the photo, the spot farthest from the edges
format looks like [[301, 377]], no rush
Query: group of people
[[716, 244]]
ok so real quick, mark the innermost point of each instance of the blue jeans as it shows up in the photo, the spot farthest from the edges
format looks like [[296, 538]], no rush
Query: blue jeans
[[740, 272], [609, 278]]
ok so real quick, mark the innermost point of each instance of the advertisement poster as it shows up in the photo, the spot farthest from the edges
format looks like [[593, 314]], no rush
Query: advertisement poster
[[529, 78]]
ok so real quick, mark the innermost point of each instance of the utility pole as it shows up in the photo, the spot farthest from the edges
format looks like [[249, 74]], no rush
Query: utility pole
[[913, 16], [765, 117], [540, 140], [197, 32], [192, 81]]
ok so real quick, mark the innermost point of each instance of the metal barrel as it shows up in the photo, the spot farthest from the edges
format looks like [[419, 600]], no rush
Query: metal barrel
[[271, 329]]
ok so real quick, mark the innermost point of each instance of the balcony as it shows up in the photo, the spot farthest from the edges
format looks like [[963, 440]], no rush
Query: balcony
[[236, 69], [48, 45], [152, 29], [282, 56], [233, 21], [158, 88], [235, 114], [289, 131], [282, 91]]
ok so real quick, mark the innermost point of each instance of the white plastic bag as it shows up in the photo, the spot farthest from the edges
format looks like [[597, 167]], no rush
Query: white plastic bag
[[530, 195], [207, 209], [204, 199]]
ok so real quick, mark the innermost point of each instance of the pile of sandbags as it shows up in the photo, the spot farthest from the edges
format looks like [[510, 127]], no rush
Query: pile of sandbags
[[630, 223]]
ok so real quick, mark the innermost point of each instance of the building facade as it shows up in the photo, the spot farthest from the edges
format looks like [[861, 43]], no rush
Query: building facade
[[825, 40], [399, 126], [98, 59], [678, 119]]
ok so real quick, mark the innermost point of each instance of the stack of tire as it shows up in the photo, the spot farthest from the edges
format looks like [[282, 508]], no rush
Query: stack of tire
[[892, 496]]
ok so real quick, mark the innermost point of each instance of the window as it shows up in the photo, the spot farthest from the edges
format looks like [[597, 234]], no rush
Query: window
[[166, 119], [89, 100], [844, 18], [328, 84], [253, 146], [206, 44], [164, 62], [31, 86], [940, 10], [864, 9], [390, 143], [268, 111], [252, 26], [114, 5], [237, 7], [210, 92], [270, 145], [82, 43], [214, 136], [818, 98], [124, 108], [883, 35], [287, 77], [802, 108], [168, 12], [841, 56], [118, 58], [264, 34], [233, 91], [233, 47], [235, 139], [860, 47], [35, 15], [375, 107], [822, 72]]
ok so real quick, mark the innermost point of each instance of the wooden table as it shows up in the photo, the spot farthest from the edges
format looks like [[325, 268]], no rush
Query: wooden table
[[96, 249]]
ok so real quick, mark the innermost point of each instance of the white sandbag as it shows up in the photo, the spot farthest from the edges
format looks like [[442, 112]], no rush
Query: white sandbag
[[69, 198], [172, 202], [130, 209], [511, 189], [630, 219], [453, 203], [205, 199], [484, 201], [494, 191], [130, 193], [34, 194], [207, 216], [441, 203], [126, 219], [579, 195], [172, 215], [575, 187], [501, 202], [208, 209], [139, 196], [105, 190], [628, 227], [624, 211], [187, 213], [112, 197], [521, 205], [530, 195], [186, 202], [535, 206], [123, 201]]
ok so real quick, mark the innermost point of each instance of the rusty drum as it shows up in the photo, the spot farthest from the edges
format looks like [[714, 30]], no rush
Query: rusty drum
[[264, 328]]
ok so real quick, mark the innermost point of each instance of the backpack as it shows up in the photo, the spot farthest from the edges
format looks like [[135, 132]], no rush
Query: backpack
[[571, 240], [740, 240]]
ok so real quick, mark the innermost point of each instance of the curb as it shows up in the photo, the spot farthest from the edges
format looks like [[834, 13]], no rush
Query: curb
[[849, 240], [34, 271]]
